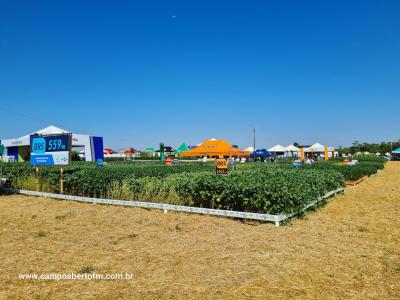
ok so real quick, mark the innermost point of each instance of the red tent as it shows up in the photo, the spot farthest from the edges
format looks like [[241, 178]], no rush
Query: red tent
[[108, 150], [129, 150]]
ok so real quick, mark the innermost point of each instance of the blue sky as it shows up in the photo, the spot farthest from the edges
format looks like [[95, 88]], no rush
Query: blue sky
[[143, 72]]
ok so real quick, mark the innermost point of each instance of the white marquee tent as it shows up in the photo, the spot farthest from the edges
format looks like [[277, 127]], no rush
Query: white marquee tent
[[317, 147], [277, 148], [292, 148], [319, 150], [292, 151]]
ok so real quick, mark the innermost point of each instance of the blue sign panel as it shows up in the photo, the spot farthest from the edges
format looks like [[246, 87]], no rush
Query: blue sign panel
[[38, 145], [42, 160], [50, 150], [57, 143]]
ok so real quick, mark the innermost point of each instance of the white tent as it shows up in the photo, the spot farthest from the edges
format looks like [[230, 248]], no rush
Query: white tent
[[292, 151], [366, 152], [317, 147], [387, 154], [250, 149], [292, 148], [51, 130], [277, 148], [377, 154]]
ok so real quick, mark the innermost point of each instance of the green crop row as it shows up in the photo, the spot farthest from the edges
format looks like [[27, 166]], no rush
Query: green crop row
[[350, 172], [369, 157], [87, 179], [124, 159], [268, 191]]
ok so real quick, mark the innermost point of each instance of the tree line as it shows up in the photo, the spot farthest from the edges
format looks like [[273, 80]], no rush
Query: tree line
[[382, 147]]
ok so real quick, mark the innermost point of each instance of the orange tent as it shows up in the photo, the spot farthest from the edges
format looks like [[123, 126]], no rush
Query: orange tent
[[215, 148]]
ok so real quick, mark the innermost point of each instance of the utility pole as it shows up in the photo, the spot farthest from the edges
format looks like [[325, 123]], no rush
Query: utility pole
[[254, 139], [254, 143]]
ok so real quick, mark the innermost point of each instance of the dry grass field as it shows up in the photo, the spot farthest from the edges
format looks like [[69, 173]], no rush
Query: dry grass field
[[348, 249]]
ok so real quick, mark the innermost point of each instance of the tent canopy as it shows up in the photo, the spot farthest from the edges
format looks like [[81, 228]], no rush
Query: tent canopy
[[215, 148], [277, 148], [317, 147], [167, 149], [261, 153], [292, 148], [47, 131], [130, 150], [250, 149], [149, 150], [51, 130], [396, 151], [182, 147]]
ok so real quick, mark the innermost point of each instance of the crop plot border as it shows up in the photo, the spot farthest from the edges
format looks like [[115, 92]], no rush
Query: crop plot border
[[277, 219]]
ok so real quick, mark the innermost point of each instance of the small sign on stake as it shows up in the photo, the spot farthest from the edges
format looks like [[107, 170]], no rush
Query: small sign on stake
[[99, 163], [222, 166]]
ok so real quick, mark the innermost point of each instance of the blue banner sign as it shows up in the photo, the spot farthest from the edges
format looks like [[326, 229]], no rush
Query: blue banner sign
[[50, 150]]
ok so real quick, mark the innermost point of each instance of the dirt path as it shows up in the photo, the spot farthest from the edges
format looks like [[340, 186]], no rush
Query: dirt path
[[348, 249]]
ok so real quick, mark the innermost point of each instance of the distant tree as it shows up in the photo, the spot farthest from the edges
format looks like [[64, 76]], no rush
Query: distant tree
[[296, 144], [344, 150], [355, 147]]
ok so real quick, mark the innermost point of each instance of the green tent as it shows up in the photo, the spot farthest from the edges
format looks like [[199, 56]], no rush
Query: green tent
[[181, 148], [149, 150]]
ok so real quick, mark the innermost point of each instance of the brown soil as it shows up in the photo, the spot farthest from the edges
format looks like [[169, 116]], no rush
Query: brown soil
[[349, 249]]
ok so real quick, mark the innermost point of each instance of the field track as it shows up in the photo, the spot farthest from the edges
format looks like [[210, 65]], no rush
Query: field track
[[348, 249]]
